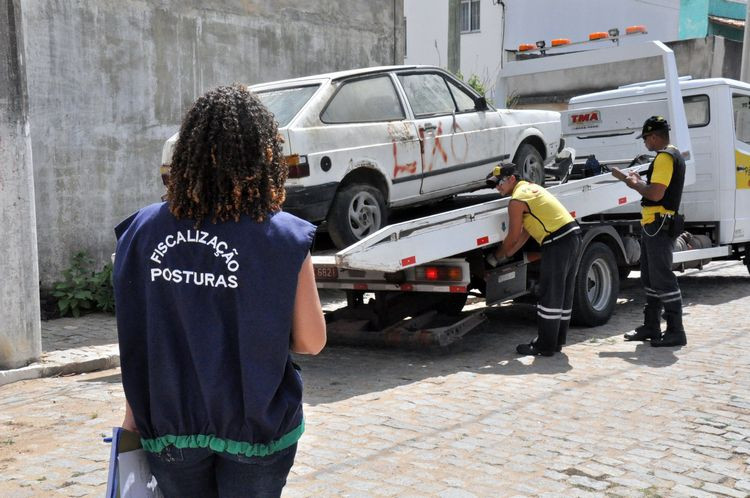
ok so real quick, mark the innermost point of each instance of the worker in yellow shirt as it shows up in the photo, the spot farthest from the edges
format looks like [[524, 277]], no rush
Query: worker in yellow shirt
[[660, 225], [534, 212]]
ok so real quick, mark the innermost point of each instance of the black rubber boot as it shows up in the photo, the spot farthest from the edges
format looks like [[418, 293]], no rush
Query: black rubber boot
[[651, 328], [531, 349], [675, 333]]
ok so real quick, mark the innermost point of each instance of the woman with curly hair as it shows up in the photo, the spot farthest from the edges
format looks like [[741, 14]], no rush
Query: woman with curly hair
[[213, 289]]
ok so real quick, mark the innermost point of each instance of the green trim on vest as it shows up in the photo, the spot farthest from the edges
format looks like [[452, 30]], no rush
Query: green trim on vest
[[218, 444]]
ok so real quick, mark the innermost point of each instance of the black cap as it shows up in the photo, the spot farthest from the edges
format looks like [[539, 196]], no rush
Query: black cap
[[652, 124], [499, 172]]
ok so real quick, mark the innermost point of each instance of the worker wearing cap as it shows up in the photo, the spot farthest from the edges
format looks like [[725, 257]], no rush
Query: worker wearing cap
[[661, 193], [534, 212]]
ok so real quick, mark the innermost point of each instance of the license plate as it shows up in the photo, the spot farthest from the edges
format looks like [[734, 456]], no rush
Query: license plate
[[326, 273]]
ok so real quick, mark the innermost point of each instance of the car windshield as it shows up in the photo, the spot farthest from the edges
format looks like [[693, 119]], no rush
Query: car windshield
[[285, 103]]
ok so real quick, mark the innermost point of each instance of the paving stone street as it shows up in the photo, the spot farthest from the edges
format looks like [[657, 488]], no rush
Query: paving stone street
[[604, 418]]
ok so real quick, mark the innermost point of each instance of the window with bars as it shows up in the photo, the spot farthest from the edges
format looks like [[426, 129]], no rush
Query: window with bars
[[469, 17]]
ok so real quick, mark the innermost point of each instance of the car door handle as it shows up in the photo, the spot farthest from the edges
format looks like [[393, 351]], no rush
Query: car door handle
[[428, 127]]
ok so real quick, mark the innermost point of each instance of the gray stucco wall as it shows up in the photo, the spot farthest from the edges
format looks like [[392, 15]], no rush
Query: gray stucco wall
[[20, 328], [108, 82]]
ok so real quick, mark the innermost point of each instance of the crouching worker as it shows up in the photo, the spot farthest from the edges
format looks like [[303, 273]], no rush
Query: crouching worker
[[534, 212], [213, 288]]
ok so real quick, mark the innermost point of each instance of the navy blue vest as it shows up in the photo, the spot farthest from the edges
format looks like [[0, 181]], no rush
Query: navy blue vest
[[673, 193], [204, 319]]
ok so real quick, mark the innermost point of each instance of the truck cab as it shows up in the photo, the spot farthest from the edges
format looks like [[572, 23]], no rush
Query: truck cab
[[605, 125]]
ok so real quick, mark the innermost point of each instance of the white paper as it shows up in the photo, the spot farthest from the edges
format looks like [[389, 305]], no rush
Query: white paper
[[136, 480]]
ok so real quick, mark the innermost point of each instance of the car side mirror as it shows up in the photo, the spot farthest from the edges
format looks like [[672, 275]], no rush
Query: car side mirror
[[480, 104]]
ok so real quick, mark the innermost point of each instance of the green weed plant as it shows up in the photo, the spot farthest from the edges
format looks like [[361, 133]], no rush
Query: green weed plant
[[84, 290]]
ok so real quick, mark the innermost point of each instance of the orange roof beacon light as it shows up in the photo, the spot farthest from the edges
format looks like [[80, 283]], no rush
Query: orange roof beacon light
[[598, 35], [557, 42], [525, 47], [631, 30]]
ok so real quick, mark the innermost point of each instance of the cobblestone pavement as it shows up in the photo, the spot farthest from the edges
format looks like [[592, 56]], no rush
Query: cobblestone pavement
[[605, 418], [72, 345]]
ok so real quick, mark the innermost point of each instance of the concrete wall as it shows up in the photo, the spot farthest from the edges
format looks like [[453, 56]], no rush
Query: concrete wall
[[20, 332], [695, 23], [427, 37], [693, 18], [109, 81], [708, 57], [733, 9], [481, 50], [426, 32], [526, 22], [533, 20]]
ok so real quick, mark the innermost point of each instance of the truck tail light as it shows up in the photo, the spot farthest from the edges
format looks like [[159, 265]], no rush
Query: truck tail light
[[297, 165], [439, 273]]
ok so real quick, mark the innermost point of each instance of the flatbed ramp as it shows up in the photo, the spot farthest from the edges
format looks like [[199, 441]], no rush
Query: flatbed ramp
[[440, 236], [443, 235]]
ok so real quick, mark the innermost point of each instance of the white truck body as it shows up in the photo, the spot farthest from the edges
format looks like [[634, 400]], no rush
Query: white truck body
[[605, 124], [426, 239], [715, 201]]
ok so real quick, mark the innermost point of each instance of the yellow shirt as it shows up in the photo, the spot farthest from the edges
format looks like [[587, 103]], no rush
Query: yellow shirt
[[662, 174], [546, 214]]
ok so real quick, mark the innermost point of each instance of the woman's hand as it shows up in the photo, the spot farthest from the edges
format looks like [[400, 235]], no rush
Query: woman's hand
[[128, 423]]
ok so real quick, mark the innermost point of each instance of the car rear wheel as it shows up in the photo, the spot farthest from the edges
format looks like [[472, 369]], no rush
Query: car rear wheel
[[358, 210], [529, 162]]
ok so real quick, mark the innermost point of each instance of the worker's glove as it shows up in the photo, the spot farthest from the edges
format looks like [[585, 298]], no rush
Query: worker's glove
[[494, 261]]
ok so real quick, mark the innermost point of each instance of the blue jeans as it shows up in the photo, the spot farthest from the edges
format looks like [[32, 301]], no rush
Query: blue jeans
[[202, 473]]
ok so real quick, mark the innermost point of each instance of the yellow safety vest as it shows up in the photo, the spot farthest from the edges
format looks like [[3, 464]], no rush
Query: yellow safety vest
[[546, 214]]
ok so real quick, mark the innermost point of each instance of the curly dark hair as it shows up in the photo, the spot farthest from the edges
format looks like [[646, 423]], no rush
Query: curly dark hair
[[227, 160]]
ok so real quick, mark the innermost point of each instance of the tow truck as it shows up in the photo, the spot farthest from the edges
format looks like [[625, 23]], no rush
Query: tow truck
[[413, 268]]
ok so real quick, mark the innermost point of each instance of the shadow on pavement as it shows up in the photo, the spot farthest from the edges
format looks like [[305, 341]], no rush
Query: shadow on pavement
[[109, 379], [342, 372], [644, 354]]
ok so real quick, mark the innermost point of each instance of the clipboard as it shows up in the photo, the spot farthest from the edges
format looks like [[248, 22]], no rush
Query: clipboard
[[129, 475]]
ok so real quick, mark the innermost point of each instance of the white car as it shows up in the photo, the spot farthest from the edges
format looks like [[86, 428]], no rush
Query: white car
[[362, 141]]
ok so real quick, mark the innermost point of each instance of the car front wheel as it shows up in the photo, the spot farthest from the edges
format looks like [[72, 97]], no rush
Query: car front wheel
[[358, 210]]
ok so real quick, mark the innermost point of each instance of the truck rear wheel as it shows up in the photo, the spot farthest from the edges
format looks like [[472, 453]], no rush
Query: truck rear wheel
[[529, 162], [358, 210], [596, 287]]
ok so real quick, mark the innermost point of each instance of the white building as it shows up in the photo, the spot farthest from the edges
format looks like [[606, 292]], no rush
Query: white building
[[490, 27]]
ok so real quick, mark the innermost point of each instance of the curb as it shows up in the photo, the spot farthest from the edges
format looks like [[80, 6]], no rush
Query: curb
[[53, 369]]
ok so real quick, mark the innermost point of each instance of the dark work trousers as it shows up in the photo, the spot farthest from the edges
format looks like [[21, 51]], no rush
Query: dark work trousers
[[556, 285], [659, 282], [201, 473]]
